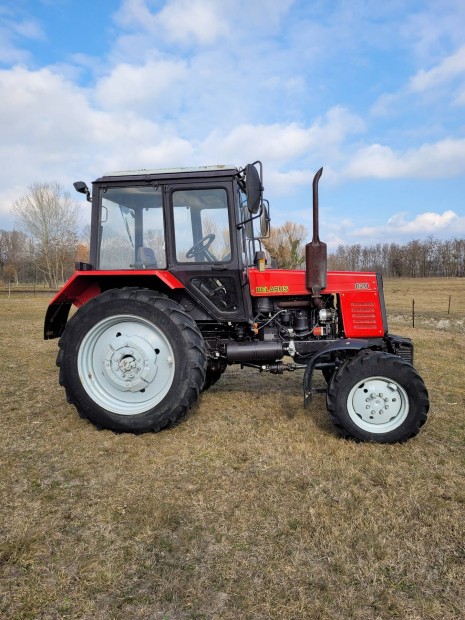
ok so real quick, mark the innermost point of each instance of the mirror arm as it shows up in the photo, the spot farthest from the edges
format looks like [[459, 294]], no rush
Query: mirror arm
[[254, 217]]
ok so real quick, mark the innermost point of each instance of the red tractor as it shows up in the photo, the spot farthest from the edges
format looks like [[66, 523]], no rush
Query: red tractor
[[177, 289]]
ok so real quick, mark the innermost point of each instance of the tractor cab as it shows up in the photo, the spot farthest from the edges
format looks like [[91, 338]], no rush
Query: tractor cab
[[197, 224]]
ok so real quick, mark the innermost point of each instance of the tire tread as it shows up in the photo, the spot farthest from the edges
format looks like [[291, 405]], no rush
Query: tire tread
[[195, 352], [372, 364]]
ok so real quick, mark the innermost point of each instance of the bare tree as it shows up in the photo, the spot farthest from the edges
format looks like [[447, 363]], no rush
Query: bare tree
[[16, 259], [285, 244], [49, 215]]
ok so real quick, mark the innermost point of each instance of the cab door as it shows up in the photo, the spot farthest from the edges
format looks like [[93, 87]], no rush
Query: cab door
[[205, 253]]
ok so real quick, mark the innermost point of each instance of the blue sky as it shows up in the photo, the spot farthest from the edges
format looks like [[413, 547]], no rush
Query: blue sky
[[372, 91]]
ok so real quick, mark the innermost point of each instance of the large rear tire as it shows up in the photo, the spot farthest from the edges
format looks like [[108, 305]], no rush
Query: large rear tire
[[131, 360], [378, 397]]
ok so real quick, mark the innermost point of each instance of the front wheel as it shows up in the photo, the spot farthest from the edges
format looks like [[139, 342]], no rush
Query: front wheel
[[379, 397], [132, 360]]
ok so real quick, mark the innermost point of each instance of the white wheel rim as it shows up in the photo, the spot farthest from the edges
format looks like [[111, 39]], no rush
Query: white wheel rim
[[378, 404], [126, 364]]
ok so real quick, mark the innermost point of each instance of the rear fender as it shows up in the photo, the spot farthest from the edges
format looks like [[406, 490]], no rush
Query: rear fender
[[84, 285]]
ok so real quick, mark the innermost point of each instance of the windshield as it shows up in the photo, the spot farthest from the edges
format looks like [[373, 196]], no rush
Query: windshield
[[132, 229]]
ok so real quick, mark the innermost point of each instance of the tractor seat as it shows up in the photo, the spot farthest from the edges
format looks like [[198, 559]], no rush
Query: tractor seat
[[146, 257]]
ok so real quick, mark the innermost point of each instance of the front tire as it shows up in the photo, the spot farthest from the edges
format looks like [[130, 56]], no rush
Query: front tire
[[132, 360], [378, 397]]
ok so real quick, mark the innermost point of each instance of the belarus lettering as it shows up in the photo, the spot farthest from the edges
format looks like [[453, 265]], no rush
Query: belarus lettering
[[271, 289]]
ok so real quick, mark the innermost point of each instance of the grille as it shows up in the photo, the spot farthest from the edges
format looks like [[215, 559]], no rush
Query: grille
[[363, 314]]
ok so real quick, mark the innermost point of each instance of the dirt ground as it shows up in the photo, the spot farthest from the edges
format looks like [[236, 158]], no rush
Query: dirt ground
[[252, 508]]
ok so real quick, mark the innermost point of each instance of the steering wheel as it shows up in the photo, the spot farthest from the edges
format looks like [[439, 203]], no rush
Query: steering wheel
[[201, 246]]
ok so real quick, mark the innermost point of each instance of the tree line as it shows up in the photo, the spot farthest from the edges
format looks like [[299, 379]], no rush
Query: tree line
[[415, 259]]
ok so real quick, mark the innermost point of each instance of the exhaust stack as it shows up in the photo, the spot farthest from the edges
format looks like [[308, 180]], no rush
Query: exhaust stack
[[316, 261]]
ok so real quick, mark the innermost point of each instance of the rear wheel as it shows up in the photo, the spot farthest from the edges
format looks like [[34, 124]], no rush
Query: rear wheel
[[379, 397], [132, 360]]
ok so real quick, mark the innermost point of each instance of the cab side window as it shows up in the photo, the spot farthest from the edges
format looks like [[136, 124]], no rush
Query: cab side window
[[201, 226]]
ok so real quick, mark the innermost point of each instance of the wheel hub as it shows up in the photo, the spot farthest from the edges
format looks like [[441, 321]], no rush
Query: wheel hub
[[376, 401], [130, 363], [126, 364]]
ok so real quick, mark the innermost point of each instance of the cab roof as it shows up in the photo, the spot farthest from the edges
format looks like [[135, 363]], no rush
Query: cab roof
[[146, 173]]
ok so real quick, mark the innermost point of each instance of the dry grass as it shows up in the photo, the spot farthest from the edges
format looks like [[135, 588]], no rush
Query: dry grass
[[432, 309], [253, 508]]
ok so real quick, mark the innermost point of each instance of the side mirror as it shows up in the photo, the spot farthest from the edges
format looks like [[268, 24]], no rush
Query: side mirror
[[82, 188], [265, 221], [254, 188]]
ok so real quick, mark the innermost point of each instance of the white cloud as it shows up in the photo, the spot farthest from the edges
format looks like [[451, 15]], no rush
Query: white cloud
[[29, 29], [423, 224], [285, 183], [277, 142], [231, 81], [445, 80], [13, 33], [32, 101], [160, 152], [281, 143], [447, 70], [52, 132], [196, 21], [180, 21], [442, 159], [203, 22], [431, 28], [146, 87], [54, 129], [385, 104], [51, 128], [135, 14]]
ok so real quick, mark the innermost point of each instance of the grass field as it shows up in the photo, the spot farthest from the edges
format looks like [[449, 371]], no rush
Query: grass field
[[252, 508]]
